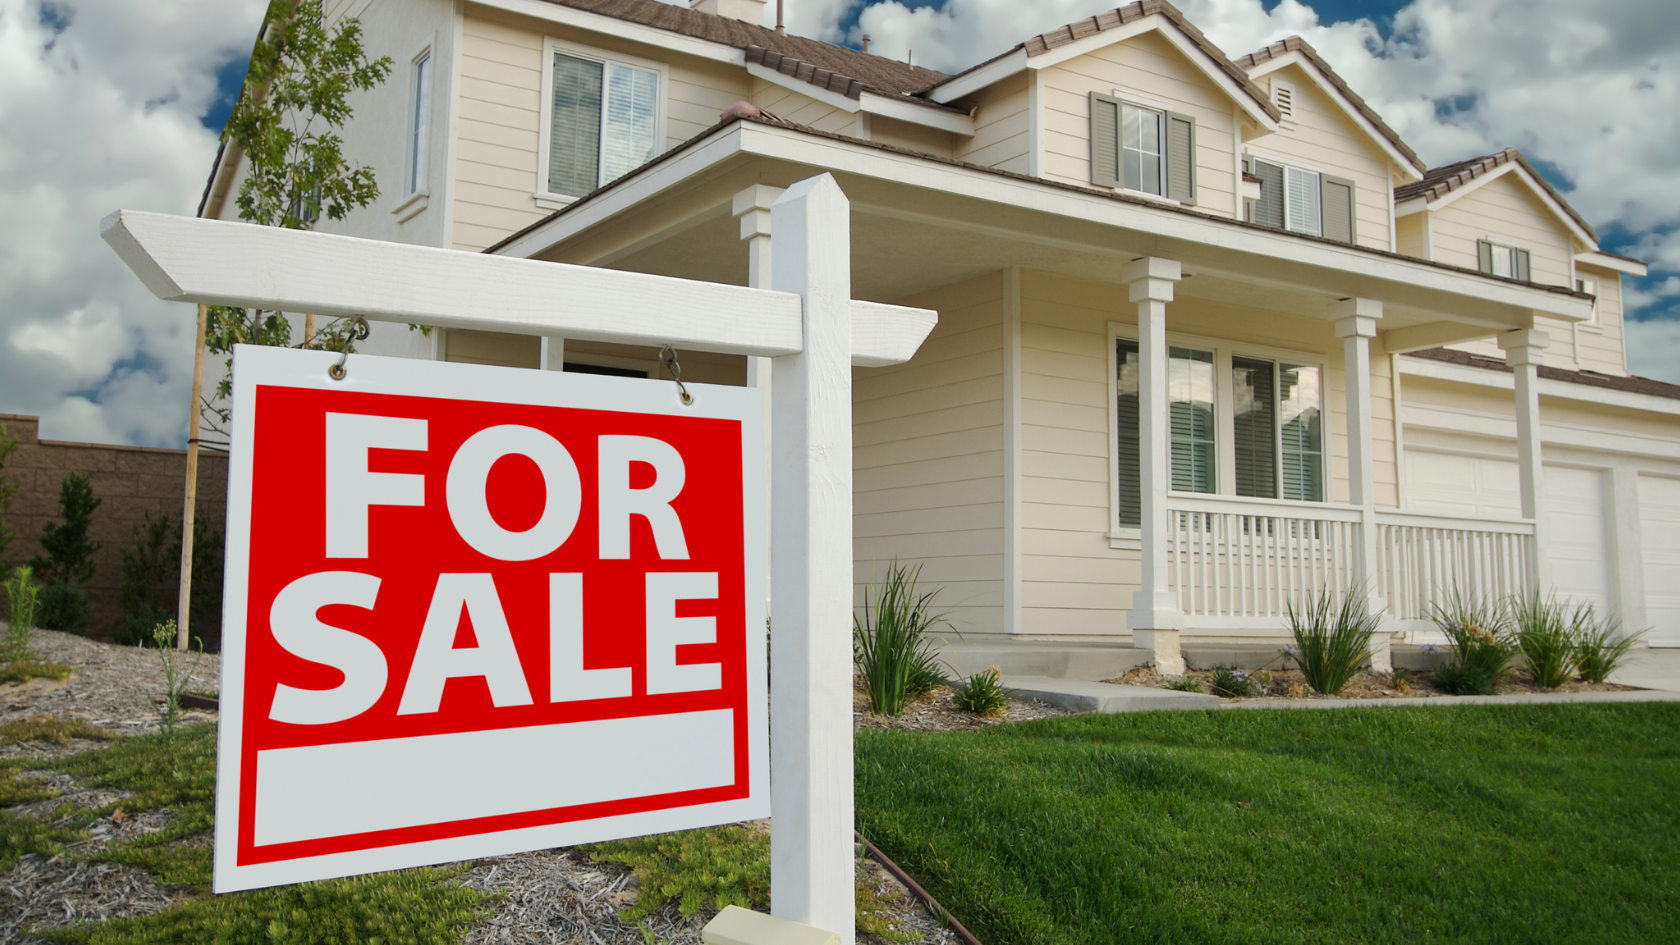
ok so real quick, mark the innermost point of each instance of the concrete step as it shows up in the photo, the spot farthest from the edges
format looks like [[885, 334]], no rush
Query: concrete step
[[1030, 658], [1082, 696]]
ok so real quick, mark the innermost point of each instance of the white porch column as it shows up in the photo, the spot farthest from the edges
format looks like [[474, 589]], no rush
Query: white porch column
[[1155, 619], [553, 354], [1524, 352], [752, 208], [811, 865], [1356, 324]]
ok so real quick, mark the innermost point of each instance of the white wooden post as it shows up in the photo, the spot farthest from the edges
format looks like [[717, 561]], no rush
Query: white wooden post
[[1155, 618], [1524, 352], [811, 867], [1356, 324], [553, 354]]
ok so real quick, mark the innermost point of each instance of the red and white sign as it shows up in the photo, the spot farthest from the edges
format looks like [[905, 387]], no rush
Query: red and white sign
[[474, 610]]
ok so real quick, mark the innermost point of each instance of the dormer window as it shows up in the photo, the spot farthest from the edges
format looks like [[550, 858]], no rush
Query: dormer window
[[603, 120], [1302, 201], [1505, 260], [1142, 148]]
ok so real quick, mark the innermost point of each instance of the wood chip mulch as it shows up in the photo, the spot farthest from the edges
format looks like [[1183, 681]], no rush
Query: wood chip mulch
[[937, 712]]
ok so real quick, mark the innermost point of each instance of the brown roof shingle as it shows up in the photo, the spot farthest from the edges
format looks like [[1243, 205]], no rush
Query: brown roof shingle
[[1131, 13], [1440, 181], [1297, 44]]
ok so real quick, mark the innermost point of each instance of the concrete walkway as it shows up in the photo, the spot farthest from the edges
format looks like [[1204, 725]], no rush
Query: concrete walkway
[[1651, 668]]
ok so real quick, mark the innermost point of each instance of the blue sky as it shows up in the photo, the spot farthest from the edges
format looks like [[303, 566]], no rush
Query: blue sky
[[106, 103]]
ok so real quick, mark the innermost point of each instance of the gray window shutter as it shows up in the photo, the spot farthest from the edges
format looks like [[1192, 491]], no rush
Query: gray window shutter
[[1522, 266], [1268, 210], [1484, 256], [1181, 157], [1105, 140], [1337, 208]]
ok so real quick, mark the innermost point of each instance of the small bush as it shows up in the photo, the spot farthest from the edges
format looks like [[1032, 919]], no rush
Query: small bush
[[151, 573], [891, 644], [1546, 630], [1230, 683], [1332, 641], [64, 607], [1184, 684], [1400, 679], [70, 552], [719, 866], [983, 694], [1600, 647], [1483, 643]]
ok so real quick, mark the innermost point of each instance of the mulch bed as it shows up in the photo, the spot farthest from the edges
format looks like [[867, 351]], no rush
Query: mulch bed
[[1284, 684]]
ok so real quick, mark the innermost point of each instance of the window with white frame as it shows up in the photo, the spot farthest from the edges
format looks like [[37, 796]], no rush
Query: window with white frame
[[1259, 412], [1505, 260], [603, 121], [419, 115], [1302, 200], [1141, 134], [1590, 287]]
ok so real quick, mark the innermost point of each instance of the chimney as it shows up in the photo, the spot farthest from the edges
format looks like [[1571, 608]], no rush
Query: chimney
[[866, 43], [748, 11]]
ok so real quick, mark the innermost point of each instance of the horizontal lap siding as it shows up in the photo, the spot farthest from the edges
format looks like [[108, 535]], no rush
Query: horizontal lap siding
[[1001, 127], [1151, 67], [802, 109], [927, 458], [1325, 137], [901, 134], [1604, 350], [1073, 582]]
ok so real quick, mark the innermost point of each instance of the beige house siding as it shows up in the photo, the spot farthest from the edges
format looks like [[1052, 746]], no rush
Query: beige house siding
[[1154, 69], [802, 109], [499, 127], [927, 457], [1504, 209], [1603, 348], [1002, 127], [1073, 582], [902, 134], [1409, 236], [1322, 137]]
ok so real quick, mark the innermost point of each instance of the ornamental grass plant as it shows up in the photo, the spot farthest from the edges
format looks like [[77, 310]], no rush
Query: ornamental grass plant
[[1483, 642], [891, 642], [1332, 638], [1546, 630], [1600, 647], [984, 694]]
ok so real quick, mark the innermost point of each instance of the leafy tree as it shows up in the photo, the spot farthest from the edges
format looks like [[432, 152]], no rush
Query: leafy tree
[[295, 100], [8, 445], [69, 558]]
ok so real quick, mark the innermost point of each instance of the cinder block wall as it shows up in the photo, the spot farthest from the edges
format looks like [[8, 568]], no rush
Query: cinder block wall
[[131, 480]]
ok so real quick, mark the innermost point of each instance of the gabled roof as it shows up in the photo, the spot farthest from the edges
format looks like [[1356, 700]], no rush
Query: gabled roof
[[1296, 44], [1049, 42], [876, 73], [1440, 182]]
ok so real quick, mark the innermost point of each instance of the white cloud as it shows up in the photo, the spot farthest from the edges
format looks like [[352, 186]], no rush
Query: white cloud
[[1654, 349], [102, 115]]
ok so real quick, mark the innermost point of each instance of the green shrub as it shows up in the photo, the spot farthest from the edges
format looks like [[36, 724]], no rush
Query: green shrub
[[23, 598], [1228, 682], [69, 551], [1400, 679], [1483, 643], [983, 693], [1332, 641], [64, 607], [1546, 630], [891, 644], [151, 578], [1600, 647], [1184, 684], [719, 866]]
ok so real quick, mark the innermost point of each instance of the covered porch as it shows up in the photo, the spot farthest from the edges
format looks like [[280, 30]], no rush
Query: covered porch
[[1003, 458]]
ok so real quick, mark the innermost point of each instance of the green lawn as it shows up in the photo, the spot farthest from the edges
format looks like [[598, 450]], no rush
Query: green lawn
[[1467, 824]]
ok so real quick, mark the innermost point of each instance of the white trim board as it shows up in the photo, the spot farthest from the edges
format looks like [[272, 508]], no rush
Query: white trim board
[[1562, 390], [869, 103]]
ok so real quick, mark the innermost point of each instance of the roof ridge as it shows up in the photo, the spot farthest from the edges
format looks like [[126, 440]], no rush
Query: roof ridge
[[1295, 43]]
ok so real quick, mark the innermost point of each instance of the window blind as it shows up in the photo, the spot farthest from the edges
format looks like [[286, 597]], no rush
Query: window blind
[[1254, 426], [574, 147], [1268, 210], [1126, 420], [1140, 148], [1303, 200], [632, 116], [1190, 397], [1302, 432]]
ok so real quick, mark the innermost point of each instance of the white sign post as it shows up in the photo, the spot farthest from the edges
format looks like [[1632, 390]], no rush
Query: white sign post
[[816, 333]]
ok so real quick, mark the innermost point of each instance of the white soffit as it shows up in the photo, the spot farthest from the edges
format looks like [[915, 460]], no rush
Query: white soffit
[[1632, 267], [1512, 167], [1296, 58]]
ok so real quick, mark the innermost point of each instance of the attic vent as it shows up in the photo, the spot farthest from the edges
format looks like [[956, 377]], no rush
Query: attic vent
[[1283, 96]]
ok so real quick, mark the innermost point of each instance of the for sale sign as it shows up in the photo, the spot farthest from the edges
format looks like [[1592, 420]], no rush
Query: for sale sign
[[475, 610]]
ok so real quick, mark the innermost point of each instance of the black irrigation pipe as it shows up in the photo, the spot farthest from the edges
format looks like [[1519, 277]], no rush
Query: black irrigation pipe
[[917, 890]]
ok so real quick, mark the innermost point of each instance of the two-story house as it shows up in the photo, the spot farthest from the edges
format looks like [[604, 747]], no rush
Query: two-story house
[[1211, 335]]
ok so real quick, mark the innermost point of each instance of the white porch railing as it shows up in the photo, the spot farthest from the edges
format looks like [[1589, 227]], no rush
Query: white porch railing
[[1238, 558], [1420, 557]]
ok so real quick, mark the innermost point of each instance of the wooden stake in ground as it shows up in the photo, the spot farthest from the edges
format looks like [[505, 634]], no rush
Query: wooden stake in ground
[[183, 610]]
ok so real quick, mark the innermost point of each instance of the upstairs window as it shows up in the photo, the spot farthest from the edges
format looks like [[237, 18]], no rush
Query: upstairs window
[[419, 121], [1302, 201], [1590, 287], [603, 122], [1503, 260], [1143, 149]]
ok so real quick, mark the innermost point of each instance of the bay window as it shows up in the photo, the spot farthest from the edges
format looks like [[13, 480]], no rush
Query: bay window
[[603, 120], [1241, 421]]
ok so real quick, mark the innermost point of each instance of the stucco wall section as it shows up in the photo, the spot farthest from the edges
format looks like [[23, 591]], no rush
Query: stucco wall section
[[927, 458]]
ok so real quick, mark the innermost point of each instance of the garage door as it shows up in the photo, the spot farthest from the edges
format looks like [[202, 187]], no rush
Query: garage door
[[1578, 548], [1659, 537]]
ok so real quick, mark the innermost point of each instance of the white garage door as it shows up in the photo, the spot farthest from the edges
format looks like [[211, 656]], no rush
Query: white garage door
[[1659, 536], [1578, 548]]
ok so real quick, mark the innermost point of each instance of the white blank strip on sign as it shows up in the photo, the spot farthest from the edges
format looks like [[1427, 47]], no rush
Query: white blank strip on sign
[[429, 779]]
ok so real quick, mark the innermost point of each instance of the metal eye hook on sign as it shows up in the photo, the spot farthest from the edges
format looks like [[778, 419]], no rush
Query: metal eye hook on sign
[[668, 357], [358, 331]]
